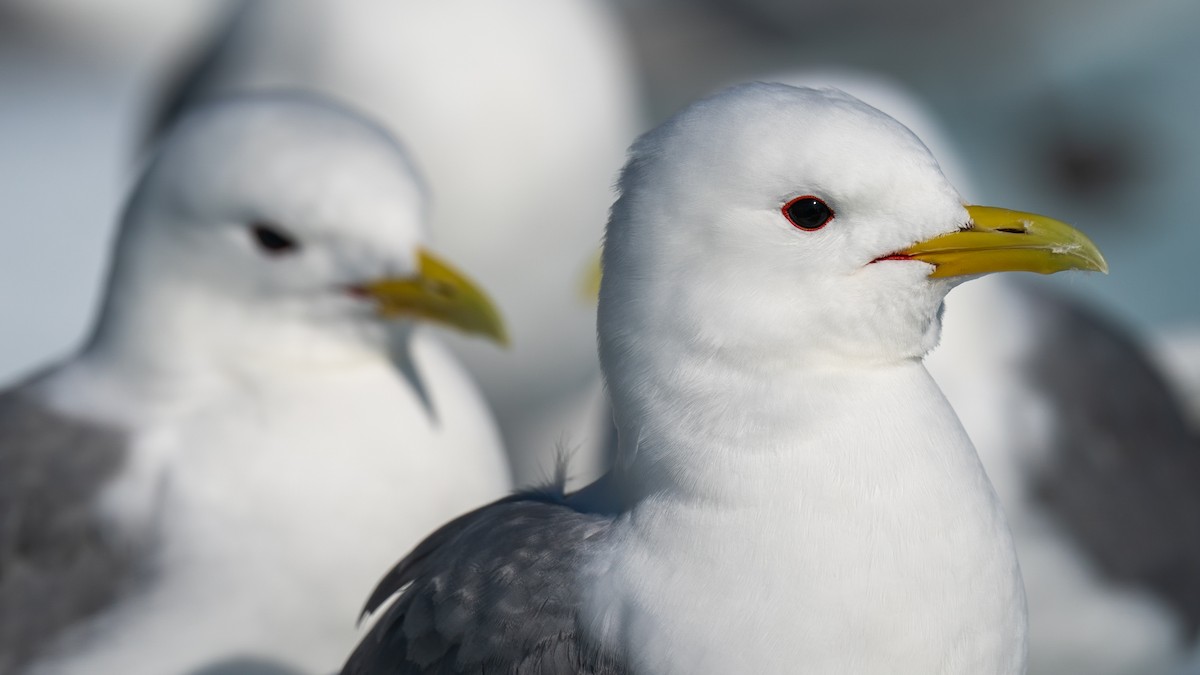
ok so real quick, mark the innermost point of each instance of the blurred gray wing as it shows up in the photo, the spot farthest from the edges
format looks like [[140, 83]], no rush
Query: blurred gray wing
[[495, 591], [56, 564], [192, 79], [248, 666], [1124, 477]]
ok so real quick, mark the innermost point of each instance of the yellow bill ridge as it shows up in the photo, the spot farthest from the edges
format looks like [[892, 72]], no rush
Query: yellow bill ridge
[[1000, 240], [438, 293]]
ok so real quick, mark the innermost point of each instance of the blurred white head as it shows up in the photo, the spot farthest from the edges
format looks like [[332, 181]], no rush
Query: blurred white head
[[276, 227]]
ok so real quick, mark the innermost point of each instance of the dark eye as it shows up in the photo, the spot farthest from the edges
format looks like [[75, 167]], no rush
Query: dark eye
[[273, 239], [808, 213]]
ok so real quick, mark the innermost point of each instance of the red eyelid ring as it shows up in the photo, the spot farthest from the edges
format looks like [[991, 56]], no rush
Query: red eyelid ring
[[788, 206]]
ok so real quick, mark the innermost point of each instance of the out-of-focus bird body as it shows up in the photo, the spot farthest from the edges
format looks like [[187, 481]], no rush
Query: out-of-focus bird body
[[266, 406], [269, 499], [1093, 459]]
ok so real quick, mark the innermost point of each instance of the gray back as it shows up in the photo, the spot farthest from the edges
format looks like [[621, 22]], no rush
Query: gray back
[[1124, 480], [56, 563]]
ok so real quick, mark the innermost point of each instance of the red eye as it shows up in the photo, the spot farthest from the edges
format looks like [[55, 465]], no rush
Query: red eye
[[808, 213]]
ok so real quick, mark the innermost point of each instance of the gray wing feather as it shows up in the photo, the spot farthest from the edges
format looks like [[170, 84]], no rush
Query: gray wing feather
[[56, 563], [192, 80], [495, 591], [1124, 479]]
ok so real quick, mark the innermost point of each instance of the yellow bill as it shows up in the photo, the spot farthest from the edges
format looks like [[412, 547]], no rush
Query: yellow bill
[[589, 283], [441, 294], [999, 240]]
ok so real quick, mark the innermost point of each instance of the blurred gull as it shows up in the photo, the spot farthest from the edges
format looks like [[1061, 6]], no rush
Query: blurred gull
[[792, 492], [243, 442], [1096, 465], [519, 113], [1086, 445]]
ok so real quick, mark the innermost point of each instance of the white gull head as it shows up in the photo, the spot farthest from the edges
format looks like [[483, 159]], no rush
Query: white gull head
[[260, 233], [701, 239]]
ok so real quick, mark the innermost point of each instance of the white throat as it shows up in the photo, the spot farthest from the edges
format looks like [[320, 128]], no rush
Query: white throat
[[834, 521], [184, 333]]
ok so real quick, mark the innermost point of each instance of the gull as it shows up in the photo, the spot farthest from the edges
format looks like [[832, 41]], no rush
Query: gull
[[792, 492], [260, 418]]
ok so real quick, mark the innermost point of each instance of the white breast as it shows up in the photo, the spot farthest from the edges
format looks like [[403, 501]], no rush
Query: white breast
[[277, 506], [850, 543]]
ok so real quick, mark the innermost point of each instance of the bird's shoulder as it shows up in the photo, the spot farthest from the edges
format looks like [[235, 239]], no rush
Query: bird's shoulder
[[58, 563], [496, 590], [1122, 474]]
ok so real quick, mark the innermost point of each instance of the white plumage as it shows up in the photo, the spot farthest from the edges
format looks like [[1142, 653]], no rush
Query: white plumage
[[806, 500], [283, 442]]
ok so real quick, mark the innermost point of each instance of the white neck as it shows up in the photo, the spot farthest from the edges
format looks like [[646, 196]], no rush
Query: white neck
[[832, 509], [158, 348], [700, 425], [164, 329]]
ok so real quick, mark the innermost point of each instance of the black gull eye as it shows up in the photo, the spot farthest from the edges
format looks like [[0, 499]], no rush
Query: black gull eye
[[273, 239], [808, 213]]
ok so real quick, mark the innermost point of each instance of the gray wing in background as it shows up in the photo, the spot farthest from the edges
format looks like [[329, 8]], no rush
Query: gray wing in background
[[1124, 477], [248, 666], [495, 591], [191, 80], [57, 565]]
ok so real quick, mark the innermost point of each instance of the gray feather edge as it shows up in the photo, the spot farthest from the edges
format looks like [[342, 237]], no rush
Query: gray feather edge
[[497, 590], [1124, 475], [58, 565]]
